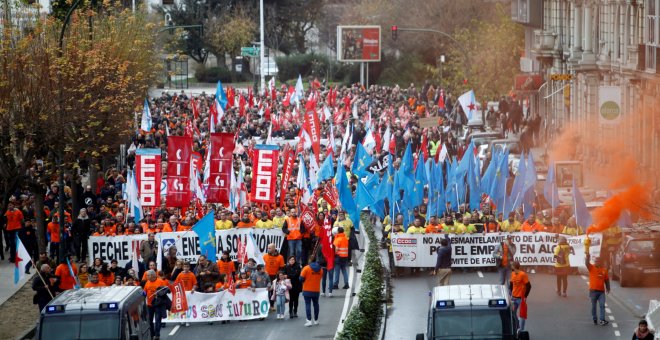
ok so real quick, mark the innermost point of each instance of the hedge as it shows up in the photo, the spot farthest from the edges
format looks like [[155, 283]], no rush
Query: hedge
[[213, 74], [363, 322], [315, 65]]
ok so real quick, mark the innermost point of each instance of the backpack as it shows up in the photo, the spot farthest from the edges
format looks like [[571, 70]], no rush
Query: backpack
[[561, 256]]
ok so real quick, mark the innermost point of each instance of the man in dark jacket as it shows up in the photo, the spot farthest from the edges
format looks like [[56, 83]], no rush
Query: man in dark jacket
[[28, 236], [46, 285], [443, 263]]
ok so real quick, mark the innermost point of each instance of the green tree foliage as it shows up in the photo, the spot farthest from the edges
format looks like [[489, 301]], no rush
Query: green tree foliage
[[74, 104], [230, 32], [489, 57]]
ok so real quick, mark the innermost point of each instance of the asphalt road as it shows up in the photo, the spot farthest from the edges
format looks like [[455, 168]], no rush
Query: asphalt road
[[550, 316]]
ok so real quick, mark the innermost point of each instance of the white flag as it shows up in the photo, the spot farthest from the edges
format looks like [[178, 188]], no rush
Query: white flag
[[22, 259], [145, 124]]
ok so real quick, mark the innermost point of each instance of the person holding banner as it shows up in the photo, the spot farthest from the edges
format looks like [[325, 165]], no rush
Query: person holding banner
[[504, 254], [443, 263]]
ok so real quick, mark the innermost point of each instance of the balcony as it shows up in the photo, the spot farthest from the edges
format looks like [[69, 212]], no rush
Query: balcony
[[649, 58], [544, 44]]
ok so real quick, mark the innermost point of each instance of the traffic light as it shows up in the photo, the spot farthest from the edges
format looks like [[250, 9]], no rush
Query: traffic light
[[395, 32]]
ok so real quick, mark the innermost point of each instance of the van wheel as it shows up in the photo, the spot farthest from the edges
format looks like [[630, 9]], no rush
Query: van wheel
[[419, 336]]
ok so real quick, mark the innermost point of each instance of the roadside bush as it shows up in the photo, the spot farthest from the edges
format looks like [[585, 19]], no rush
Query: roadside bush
[[213, 74], [315, 65], [363, 322]]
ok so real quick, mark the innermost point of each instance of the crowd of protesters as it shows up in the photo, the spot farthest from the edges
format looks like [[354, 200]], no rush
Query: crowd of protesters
[[391, 114]]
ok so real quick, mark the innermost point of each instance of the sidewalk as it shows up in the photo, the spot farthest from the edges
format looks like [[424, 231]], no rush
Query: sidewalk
[[7, 286]]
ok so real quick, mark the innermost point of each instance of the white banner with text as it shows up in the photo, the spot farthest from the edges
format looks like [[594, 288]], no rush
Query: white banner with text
[[476, 250], [221, 306], [122, 248]]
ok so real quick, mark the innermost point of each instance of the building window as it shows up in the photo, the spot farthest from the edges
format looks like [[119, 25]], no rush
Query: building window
[[652, 19]]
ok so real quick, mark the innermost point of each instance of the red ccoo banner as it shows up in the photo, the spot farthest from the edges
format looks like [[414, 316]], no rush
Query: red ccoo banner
[[179, 300], [286, 175], [264, 161], [148, 176], [222, 147], [179, 150]]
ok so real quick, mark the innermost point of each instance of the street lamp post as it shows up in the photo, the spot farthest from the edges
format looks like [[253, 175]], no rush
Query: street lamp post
[[261, 52], [442, 61]]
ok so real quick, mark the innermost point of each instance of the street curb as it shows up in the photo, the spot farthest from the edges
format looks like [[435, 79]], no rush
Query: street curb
[[626, 305]]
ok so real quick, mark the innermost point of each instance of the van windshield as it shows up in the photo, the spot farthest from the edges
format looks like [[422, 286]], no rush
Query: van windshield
[[89, 327], [472, 324]]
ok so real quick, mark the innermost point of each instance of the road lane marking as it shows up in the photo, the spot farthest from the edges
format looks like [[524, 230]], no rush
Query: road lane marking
[[584, 277], [609, 311], [480, 273], [617, 333], [615, 325], [611, 317], [606, 305], [174, 330]]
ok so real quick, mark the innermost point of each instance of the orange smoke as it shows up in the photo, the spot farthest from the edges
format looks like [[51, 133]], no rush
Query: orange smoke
[[634, 199], [609, 164]]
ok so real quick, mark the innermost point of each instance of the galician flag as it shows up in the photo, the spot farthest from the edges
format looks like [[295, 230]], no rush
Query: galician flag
[[469, 104], [21, 260]]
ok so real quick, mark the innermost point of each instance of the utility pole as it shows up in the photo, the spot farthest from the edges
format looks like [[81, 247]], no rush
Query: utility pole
[[261, 52]]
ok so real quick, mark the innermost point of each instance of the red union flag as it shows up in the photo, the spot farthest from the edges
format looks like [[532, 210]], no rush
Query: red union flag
[[264, 161], [286, 174], [222, 147], [313, 127], [330, 194], [148, 176], [179, 150], [179, 300]]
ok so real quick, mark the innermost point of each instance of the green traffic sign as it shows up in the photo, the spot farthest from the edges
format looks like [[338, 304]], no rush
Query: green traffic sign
[[249, 51]]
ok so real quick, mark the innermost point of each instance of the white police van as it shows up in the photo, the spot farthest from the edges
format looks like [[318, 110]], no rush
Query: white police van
[[96, 313], [471, 312]]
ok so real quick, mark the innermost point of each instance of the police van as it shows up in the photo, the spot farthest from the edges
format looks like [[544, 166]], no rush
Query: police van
[[471, 312], [96, 313]]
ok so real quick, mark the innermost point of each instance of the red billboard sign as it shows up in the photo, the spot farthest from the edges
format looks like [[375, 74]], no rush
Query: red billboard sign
[[358, 43]]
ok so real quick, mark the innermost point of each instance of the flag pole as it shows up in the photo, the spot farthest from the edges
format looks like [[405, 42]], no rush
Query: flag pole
[[42, 278]]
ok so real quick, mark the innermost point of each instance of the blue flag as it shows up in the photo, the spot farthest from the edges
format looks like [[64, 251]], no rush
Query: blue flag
[[530, 173], [346, 196], [221, 96], [386, 185], [361, 161], [439, 189], [550, 188], [497, 189], [415, 193], [405, 177], [327, 169], [77, 284], [145, 122], [489, 175], [205, 230], [582, 214], [363, 198], [451, 192], [474, 181]]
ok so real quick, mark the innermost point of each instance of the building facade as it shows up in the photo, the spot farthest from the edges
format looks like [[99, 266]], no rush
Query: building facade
[[600, 62]]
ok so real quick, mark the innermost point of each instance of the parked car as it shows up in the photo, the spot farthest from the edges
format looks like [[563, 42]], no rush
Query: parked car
[[637, 258]]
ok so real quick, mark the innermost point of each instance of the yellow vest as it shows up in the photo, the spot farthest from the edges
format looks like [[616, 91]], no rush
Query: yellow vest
[[223, 225], [267, 224]]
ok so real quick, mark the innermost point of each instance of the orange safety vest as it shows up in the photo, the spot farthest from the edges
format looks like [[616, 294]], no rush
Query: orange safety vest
[[293, 224], [341, 245]]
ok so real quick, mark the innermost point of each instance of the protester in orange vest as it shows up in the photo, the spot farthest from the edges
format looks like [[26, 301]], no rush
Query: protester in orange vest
[[54, 232], [519, 287], [62, 271], [225, 264], [94, 281], [311, 277], [155, 287], [187, 278], [14, 223], [293, 229], [273, 263], [530, 224], [341, 258], [599, 285]]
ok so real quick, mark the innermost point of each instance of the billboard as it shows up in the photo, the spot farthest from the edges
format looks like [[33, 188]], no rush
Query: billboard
[[358, 43]]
